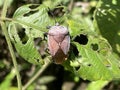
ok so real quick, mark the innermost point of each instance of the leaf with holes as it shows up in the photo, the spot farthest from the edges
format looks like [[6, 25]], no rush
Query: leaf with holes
[[107, 22], [27, 50], [95, 65], [31, 20]]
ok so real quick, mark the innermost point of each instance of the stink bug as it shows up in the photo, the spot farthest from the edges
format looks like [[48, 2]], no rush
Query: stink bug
[[58, 43]]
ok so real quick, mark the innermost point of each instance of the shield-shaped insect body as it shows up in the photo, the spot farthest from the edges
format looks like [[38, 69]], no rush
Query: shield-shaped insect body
[[58, 43]]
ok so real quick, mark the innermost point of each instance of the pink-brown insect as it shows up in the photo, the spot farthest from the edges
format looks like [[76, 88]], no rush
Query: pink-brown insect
[[58, 43]]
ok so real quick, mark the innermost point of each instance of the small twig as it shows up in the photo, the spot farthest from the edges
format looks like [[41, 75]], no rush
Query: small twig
[[4, 29], [36, 76], [5, 19], [70, 7]]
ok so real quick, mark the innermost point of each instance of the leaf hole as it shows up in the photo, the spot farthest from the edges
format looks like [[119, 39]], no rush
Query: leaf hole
[[29, 13], [89, 65], [95, 47], [43, 56], [75, 50], [77, 68], [14, 39], [81, 39], [41, 46], [37, 60], [33, 6], [23, 37]]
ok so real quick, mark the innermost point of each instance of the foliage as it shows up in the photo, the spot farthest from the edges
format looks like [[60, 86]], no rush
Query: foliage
[[96, 41], [7, 82], [92, 62], [33, 29], [97, 85]]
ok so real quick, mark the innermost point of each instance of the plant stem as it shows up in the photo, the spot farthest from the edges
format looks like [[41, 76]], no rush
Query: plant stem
[[6, 19], [22, 23], [36, 75], [4, 29]]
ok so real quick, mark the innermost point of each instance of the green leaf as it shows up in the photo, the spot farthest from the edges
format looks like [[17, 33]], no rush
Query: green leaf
[[33, 19], [37, 16], [7, 82], [75, 27], [21, 11], [27, 50], [107, 20], [97, 60], [96, 64], [91, 65], [97, 85]]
